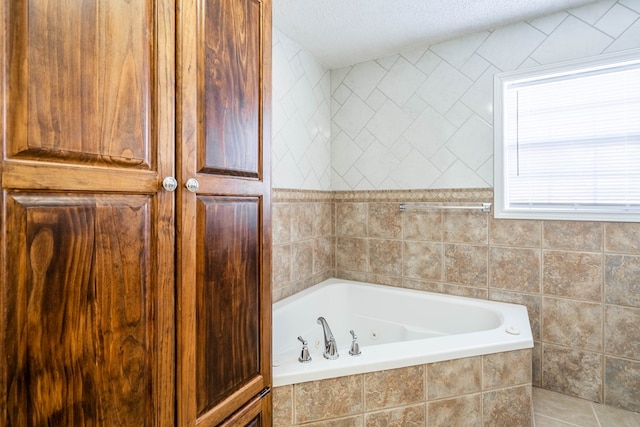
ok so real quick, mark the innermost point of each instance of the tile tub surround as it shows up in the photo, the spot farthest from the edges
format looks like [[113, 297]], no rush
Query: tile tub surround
[[579, 280], [303, 235], [490, 390]]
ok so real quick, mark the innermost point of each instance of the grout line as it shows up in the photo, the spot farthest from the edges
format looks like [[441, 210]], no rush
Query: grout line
[[559, 420], [595, 414], [603, 308]]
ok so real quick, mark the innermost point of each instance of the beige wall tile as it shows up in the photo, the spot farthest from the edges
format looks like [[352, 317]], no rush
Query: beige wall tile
[[621, 331], [356, 421], [385, 257], [506, 232], [281, 268], [381, 279], [323, 219], [622, 237], [622, 280], [302, 221], [573, 372], [281, 293], [570, 267], [281, 223], [300, 285], [385, 221], [454, 377], [463, 291], [462, 226], [423, 225], [351, 219], [318, 400], [622, 384], [301, 260], [421, 285], [395, 387], [572, 274], [359, 276], [283, 406], [573, 235], [408, 416], [515, 269], [572, 323], [323, 254], [466, 264], [459, 411], [508, 407], [506, 369], [422, 260], [532, 302], [352, 254]]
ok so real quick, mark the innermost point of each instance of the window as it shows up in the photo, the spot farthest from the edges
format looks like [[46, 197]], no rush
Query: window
[[567, 140]]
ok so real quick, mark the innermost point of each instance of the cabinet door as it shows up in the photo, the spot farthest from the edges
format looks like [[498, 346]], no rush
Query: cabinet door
[[224, 305], [87, 239], [256, 413]]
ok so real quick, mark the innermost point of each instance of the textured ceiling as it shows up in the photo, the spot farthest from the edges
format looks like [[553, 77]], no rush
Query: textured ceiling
[[346, 32]]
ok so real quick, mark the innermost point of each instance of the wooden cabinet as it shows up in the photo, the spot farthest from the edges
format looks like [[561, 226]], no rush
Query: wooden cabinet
[[224, 264], [121, 303]]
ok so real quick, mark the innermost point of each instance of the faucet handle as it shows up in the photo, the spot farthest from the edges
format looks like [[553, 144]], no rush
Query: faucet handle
[[355, 347], [304, 357]]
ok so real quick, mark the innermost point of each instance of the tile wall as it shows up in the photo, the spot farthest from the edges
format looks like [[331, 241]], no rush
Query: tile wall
[[493, 390], [579, 280], [301, 145], [424, 118], [303, 224], [353, 143]]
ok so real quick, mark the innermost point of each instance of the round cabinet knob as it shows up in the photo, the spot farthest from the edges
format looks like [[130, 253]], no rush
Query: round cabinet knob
[[192, 185], [169, 183]]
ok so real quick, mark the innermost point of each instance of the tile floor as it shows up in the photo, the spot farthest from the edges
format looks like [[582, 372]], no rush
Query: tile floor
[[553, 409]]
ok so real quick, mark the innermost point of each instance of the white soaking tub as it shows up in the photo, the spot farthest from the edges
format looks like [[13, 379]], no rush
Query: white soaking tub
[[396, 327]]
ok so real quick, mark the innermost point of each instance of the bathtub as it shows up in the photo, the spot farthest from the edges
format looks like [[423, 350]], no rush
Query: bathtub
[[396, 328]]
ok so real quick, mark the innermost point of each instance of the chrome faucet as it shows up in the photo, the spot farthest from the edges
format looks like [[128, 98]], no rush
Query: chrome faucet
[[330, 346], [355, 347], [305, 357]]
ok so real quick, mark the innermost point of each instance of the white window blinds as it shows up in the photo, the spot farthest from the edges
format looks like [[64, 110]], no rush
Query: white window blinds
[[570, 141]]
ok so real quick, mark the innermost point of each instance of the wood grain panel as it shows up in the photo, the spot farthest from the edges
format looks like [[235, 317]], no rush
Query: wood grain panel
[[228, 296], [81, 80], [79, 336], [232, 60], [223, 102], [256, 413], [87, 242]]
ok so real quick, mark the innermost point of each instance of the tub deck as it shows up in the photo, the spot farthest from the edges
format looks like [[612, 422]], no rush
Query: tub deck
[[396, 328]]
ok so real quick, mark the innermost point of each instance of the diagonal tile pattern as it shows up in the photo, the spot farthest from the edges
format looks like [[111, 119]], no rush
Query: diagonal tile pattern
[[430, 110], [422, 118], [301, 123]]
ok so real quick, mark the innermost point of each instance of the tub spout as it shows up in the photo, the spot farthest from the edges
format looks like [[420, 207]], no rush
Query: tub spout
[[330, 346]]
